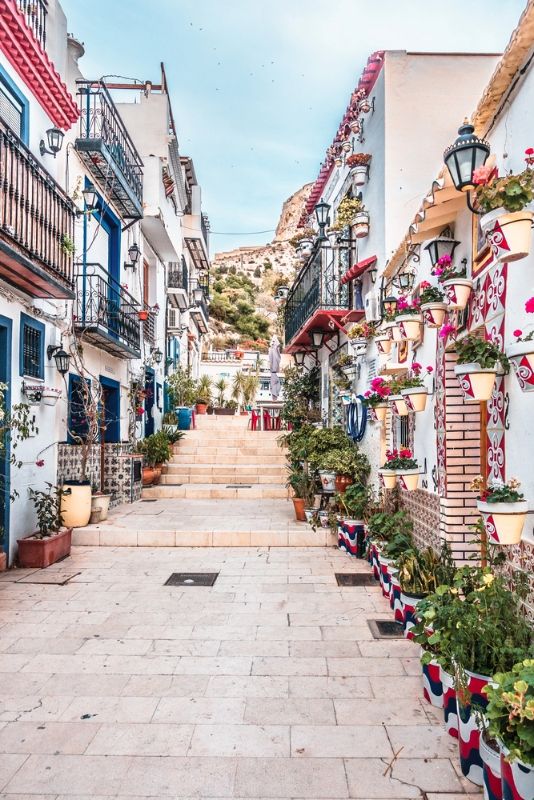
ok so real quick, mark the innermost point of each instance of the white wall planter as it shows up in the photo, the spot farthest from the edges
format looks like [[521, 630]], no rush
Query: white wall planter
[[328, 480], [408, 479], [359, 175], [396, 333], [398, 405], [360, 223], [50, 396], [410, 326], [434, 314], [358, 346], [350, 371], [458, 292], [508, 233], [346, 146], [381, 411], [383, 344], [387, 478], [504, 521], [415, 398], [304, 248], [521, 354], [477, 383]]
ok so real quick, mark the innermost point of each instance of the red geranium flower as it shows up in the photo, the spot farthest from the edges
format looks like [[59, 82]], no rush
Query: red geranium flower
[[517, 333], [40, 462], [529, 306]]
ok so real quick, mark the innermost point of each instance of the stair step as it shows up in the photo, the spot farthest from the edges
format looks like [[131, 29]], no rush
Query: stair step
[[203, 458], [298, 535], [215, 491]]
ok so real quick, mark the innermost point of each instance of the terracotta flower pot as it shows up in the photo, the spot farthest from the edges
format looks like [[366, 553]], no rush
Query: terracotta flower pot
[[415, 398], [504, 522], [477, 383], [398, 405], [383, 344], [387, 478], [143, 315], [41, 553], [148, 475], [508, 233], [3, 561], [408, 479], [201, 408], [521, 354], [410, 326], [157, 474], [360, 224], [434, 314], [298, 505], [458, 291], [342, 481]]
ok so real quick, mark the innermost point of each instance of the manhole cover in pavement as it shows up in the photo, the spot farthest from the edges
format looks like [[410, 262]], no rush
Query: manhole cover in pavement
[[149, 500], [384, 629], [239, 486], [354, 579], [192, 579]]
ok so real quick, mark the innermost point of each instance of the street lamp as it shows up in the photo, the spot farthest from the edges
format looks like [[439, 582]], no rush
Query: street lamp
[[157, 355], [198, 294], [406, 281], [373, 273], [441, 246], [321, 213], [389, 305], [299, 357], [90, 196], [61, 358], [55, 140], [464, 156], [317, 337]]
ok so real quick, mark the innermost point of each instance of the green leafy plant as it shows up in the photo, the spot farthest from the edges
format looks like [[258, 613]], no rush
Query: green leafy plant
[[497, 492], [400, 459], [173, 434], [48, 509], [383, 525], [324, 443], [362, 330], [421, 571], [510, 711], [67, 245], [511, 192], [182, 388], [474, 350], [346, 211], [221, 386], [305, 233], [203, 390], [250, 388], [155, 448], [355, 501], [348, 461], [302, 484], [430, 294], [398, 545], [170, 418]]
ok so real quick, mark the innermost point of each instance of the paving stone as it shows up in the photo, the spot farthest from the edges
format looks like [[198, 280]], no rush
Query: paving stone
[[141, 740], [67, 738], [293, 711], [304, 778], [345, 741], [241, 741]]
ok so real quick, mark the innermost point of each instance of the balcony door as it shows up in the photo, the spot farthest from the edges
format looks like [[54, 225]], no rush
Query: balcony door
[[5, 377], [107, 248], [150, 399]]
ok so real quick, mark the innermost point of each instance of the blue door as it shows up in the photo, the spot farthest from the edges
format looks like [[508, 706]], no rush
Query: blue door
[[150, 399], [5, 377], [111, 402]]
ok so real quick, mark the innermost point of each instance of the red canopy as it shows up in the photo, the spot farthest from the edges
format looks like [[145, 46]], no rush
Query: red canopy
[[358, 269]]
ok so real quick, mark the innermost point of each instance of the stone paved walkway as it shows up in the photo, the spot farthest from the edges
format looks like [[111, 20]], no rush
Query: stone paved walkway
[[268, 685]]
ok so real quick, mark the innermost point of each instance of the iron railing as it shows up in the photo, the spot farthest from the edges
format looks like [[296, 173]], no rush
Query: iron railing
[[317, 287], [106, 309], [178, 275], [149, 326], [35, 13], [107, 149], [35, 213]]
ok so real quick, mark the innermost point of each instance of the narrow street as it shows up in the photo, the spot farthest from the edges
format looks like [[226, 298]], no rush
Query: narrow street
[[269, 684]]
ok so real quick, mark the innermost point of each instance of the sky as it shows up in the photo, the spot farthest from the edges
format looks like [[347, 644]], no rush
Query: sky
[[258, 87]]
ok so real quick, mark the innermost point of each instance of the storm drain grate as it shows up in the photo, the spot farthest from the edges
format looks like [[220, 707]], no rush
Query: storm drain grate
[[239, 486], [192, 579], [354, 579], [385, 629]]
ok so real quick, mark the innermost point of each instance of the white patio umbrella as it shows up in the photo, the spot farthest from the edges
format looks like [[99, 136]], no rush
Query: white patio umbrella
[[274, 366]]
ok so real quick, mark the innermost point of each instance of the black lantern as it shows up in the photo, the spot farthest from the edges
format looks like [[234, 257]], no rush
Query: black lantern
[[441, 246], [90, 196], [373, 273], [317, 337], [406, 281], [321, 213], [464, 156], [389, 305], [299, 357], [198, 294], [55, 140], [61, 358], [157, 356], [134, 253]]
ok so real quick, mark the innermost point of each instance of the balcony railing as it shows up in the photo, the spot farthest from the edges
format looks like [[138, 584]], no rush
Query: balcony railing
[[149, 327], [178, 276], [36, 223], [316, 288], [107, 150], [35, 13], [106, 314]]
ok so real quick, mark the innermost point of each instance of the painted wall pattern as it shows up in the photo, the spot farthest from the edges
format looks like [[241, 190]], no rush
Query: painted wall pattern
[[118, 478]]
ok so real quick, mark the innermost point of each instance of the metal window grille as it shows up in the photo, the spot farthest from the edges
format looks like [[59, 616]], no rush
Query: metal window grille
[[404, 431], [31, 352]]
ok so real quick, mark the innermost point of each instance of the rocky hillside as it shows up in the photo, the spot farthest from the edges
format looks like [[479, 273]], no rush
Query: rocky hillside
[[265, 267]]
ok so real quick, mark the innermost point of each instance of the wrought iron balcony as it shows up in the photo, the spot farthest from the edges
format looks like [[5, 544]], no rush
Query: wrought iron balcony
[[35, 13], [178, 284], [107, 151], [106, 314], [316, 297], [36, 224], [149, 327]]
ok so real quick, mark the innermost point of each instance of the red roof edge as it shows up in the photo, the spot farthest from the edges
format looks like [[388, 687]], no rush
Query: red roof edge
[[358, 269]]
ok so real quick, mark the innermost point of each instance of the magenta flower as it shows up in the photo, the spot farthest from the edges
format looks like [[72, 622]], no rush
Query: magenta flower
[[529, 306], [447, 330], [40, 462]]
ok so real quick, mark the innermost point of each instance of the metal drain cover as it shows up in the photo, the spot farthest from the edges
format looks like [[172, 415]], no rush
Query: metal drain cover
[[355, 579], [192, 579], [385, 629], [239, 486], [149, 500]]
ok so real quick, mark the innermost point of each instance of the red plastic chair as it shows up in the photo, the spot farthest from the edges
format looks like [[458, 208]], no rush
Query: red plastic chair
[[266, 421], [254, 419]]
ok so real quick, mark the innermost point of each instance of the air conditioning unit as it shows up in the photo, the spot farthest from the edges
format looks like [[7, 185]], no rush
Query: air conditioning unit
[[371, 305], [173, 319]]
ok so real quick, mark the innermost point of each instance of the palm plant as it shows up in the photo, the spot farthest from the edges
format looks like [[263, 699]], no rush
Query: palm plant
[[251, 384], [221, 386], [204, 387], [238, 386]]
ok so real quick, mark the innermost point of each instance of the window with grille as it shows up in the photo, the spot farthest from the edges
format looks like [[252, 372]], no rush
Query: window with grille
[[32, 335], [404, 431], [11, 110]]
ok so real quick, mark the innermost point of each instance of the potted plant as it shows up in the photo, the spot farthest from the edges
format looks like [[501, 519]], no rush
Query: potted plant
[[398, 543], [350, 466], [359, 167], [359, 336], [161, 450], [142, 314], [324, 444], [303, 486], [414, 391], [455, 282], [521, 353], [250, 389], [182, 390], [351, 211], [353, 504], [405, 467], [50, 396], [387, 474], [303, 242], [383, 342], [397, 402], [507, 222], [417, 571], [477, 366], [432, 304], [408, 319], [170, 424], [503, 509], [376, 398], [509, 720], [346, 363], [203, 390], [51, 542], [99, 505]]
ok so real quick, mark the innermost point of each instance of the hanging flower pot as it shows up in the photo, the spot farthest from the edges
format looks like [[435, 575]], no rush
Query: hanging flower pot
[[508, 233], [477, 383], [338, 161], [521, 355], [415, 398], [328, 480], [396, 333], [409, 326], [50, 396], [346, 146], [517, 778], [383, 344], [468, 730], [491, 768], [458, 291], [388, 330], [358, 346], [143, 315], [350, 371], [360, 223], [450, 707], [434, 314], [387, 478], [398, 405], [408, 479], [381, 411], [504, 522], [359, 175]]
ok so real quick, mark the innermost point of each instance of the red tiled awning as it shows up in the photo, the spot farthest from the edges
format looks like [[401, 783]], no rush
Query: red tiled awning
[[358, 269]]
